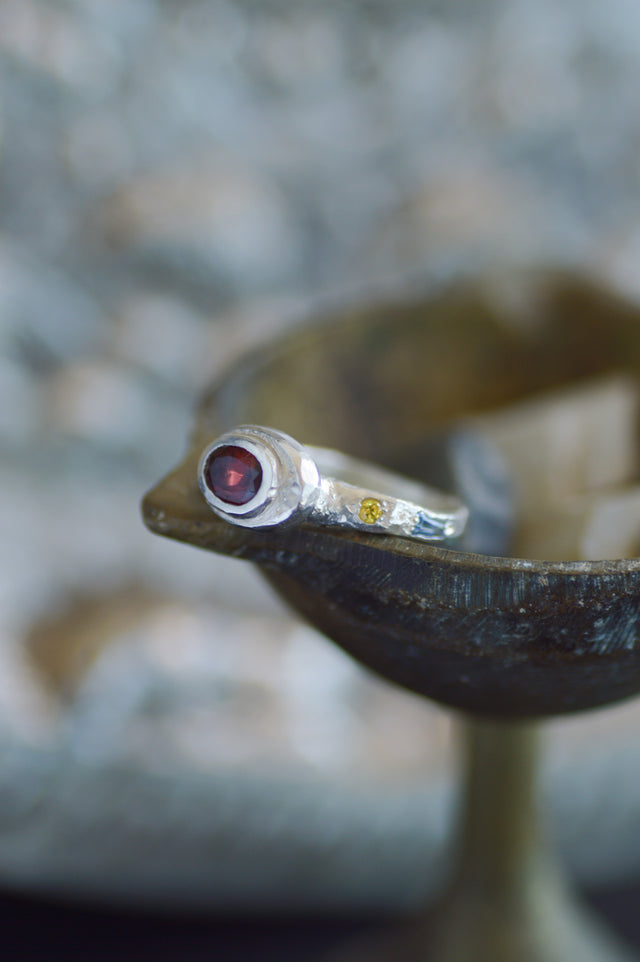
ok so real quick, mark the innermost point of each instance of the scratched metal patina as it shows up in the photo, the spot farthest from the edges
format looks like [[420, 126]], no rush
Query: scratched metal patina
[[495, 636]]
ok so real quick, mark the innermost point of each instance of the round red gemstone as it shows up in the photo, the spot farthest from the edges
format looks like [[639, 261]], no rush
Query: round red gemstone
[[233, 474]]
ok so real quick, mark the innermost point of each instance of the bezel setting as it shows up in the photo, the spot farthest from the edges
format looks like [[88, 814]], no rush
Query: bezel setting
[[289, 477]]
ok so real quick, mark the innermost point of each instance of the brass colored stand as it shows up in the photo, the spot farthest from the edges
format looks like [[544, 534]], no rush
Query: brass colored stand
[[504, 638]]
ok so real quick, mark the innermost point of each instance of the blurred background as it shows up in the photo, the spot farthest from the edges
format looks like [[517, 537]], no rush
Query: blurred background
[[179, 179]]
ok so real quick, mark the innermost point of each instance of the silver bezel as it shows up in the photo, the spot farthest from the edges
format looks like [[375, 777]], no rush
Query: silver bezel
[[289, 477]]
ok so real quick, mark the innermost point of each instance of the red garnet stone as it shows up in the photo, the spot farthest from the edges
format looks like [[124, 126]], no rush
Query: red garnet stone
[[233, 474]]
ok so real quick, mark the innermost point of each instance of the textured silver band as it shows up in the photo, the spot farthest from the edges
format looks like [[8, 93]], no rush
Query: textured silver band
[[325, 487]]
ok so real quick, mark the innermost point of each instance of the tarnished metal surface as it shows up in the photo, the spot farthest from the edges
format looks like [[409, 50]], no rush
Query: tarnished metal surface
[[497, 636]]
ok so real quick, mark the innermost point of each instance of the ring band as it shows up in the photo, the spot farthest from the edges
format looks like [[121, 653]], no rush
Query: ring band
[[258, 477]]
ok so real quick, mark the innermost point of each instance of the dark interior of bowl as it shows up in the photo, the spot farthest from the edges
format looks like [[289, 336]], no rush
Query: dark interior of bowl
[[497, 636]]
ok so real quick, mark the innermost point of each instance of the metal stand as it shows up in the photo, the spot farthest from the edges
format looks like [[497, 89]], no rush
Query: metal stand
[[506, 901], [470, 629]]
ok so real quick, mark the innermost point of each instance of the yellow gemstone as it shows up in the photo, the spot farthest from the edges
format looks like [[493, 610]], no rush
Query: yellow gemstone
[[370, 510]]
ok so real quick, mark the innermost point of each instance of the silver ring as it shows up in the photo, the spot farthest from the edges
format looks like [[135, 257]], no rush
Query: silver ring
[[257, 477]]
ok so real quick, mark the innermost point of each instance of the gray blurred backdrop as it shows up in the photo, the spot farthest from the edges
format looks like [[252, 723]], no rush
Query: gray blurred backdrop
[[177, 179]]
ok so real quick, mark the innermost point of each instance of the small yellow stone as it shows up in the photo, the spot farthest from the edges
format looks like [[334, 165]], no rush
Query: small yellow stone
[[370, 510]]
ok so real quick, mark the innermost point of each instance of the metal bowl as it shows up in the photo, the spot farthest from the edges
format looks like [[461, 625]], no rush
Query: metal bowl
[[496, 636]]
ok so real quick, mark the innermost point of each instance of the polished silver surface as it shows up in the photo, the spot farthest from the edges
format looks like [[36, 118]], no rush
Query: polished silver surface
[[326, 487]]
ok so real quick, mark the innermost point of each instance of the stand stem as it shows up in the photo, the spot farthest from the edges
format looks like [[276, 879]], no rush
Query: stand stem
[[499, 836], [506, 902]]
